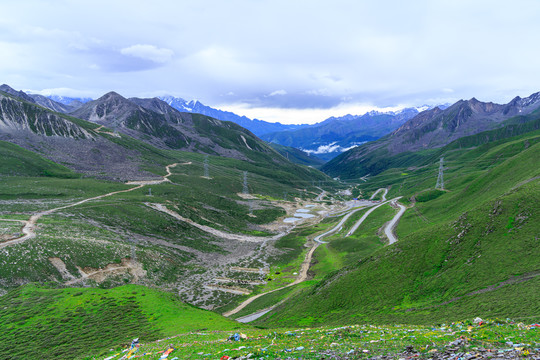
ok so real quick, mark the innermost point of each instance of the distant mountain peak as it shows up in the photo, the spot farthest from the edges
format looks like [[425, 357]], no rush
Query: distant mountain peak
[[21, 94], [112, 95], [169, 99], [66, 100], [436, 128], [258, 127]]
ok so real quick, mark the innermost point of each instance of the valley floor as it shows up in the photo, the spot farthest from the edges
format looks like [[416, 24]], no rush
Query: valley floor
[[352, 208]]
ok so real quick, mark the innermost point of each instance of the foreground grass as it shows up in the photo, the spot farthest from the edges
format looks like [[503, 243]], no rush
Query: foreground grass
[[44, 323], [354, 341]]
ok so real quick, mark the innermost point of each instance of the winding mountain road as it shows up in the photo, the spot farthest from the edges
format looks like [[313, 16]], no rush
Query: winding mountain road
[[302, 276], [337, 227], [379, 190], [361, 220], [30, 225], [389, 229]]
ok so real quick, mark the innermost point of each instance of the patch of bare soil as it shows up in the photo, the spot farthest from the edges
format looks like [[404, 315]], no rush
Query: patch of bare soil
[[126, 266], [251, 270], [229, 289], [61, 267]]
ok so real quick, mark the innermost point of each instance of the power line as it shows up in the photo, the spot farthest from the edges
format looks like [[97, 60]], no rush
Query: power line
[[440, 178]]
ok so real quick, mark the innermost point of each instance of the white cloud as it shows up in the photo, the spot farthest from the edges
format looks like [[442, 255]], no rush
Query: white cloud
[[321, 92], [302, 116], [278, 92], [149, 52], [63, 91], [330, 148], [400, 52]]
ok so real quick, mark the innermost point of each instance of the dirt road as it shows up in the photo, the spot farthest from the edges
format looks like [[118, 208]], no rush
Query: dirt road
[[320, 196], [29, 225], [215, 232], [302, 274], [389, 229], [379, 190]]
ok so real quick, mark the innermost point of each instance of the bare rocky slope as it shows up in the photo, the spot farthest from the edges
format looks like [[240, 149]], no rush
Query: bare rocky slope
[[157, 123], [105, 145], [66, 140]]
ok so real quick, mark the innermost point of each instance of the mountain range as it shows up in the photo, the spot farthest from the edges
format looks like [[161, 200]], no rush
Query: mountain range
[[433, 129], [336, 135], [98, 145], [66, 104], [258, 127], [323, 140]]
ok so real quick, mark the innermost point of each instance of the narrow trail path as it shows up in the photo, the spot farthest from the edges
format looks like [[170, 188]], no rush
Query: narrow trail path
[[29, 225], [389, 229]]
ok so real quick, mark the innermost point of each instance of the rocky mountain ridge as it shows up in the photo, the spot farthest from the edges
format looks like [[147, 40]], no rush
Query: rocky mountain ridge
[[434, 129], [17, 116], [155, 122], [66, 140]]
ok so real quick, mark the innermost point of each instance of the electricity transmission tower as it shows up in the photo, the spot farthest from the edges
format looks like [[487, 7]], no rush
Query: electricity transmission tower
[[440, 178], [206, 175], [245, 189]]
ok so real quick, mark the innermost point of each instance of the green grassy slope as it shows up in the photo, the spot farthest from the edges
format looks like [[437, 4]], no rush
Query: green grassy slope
[[297, 156], [469, 251], [17, 161], [110, 230], [44, 323]]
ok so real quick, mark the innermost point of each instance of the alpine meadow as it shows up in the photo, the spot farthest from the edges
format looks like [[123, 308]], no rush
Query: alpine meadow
[[269, 180]]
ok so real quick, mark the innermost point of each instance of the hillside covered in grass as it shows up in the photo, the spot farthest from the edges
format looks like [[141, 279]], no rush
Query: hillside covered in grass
[[470, 250], [109, 240], [47, 323]]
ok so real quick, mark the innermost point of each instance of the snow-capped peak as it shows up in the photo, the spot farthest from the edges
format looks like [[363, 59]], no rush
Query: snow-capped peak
[[423, 108]]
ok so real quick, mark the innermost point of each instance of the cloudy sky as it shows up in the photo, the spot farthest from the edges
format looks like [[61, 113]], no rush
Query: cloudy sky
[[291, 61]]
